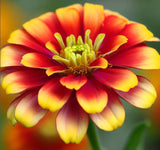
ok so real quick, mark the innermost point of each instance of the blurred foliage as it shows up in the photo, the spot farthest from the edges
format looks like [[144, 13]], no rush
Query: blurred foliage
[[136, 139]]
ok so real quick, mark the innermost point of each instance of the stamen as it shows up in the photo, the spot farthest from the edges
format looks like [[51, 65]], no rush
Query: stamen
[[69, 41], [79, 59], [108, 53], [73, 59], [87, 33], [98, 41], [73, 39], [51, 48], [67, 53], [79, 40], [77, 70], [84, 58], [91, 56], [60, 59], [59, 39], [90, 44]]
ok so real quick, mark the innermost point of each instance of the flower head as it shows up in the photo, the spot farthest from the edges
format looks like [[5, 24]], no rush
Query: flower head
[[75, 61]]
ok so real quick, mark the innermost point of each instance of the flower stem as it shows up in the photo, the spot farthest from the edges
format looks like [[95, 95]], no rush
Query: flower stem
[[92, 136]]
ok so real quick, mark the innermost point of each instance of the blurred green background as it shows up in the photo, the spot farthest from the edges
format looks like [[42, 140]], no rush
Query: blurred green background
[[146, 12]]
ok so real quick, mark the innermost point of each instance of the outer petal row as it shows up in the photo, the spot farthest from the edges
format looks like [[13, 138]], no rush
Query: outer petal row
[[21, 37], [11, 55], [141, 57], [51, 20], [113, 24], [113, 114], [36, 60], [136, 33], [25, 79], [39, 30], [142, 96], [25, 109], [72, 122], [51, 97]]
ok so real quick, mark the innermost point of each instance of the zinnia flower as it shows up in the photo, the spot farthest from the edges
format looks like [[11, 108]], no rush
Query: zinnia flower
[[75, 61]]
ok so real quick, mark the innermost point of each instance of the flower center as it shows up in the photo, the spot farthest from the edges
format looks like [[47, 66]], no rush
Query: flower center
[[78, 54]]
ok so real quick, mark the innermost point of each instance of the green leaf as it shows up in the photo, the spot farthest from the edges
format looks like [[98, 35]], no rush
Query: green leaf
[[136, 139]]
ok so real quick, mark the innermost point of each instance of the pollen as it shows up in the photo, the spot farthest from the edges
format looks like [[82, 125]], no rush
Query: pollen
[[78, 53]]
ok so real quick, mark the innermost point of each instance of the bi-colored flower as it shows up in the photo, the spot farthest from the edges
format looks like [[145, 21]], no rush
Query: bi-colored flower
[[76, 61]]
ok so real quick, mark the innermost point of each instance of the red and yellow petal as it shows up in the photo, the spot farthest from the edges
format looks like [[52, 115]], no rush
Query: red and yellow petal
[[51, 20], [120, 79], [70, 19], [53, 46], [92, 97], [53, 95], [141, 57], [113, 44], [54, 69], [109, 13], [21, 37], [113, 25], [27, 111], [142, 96], [136, 33], [37, 60], [79, 8], [99, 63], [39, 30], [73, 82], [19, 81], [11, 55], [72, 122], [113, 114], [93, 18], [153, 39]]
